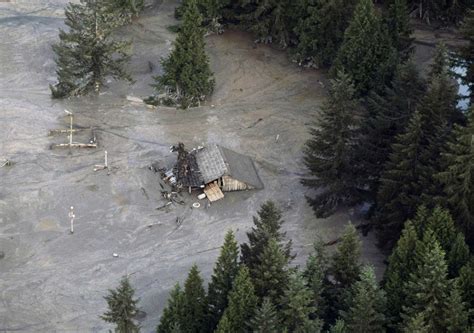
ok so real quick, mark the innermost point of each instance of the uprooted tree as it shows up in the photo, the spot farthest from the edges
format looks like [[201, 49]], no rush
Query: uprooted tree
[[187, 79], [87, 54]]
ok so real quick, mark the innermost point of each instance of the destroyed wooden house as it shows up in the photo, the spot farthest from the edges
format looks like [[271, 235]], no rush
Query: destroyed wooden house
[[216, 169]]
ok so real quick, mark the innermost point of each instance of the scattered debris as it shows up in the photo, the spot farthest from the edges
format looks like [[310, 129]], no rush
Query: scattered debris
[[145, 194], [115, 255], [255, 123], [134, 99], [72, 216], [99, 167], [92, 142], [277, 137], [6, 163], [196, 205], [202, 196], [164, 206]]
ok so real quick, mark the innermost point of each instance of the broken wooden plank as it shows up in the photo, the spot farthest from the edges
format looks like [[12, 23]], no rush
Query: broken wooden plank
[[63, 131], [75, 145], [213, 192]]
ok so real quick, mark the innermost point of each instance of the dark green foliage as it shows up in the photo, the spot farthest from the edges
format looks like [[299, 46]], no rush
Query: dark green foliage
[[416, 324], [456, 313], [466, 286], [440, 61], [345, 266], [187, 77], [330, 154], [271, 275], [387, 116], [339, 327], [265, 319], [367, 305], [458, 177], [194, 314], [266, 225], [242, 305], [400, 265], [122, 308], [126, 9], [315, 274], [427, 288], [320, 29], [366, 53], [86, 53], [225, 271], [297, 306], [397, 21], [172, 314], [467, 52]]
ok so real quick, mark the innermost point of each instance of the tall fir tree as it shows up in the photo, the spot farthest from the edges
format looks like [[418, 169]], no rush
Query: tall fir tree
[[86, 54], [345, 265], [339, 327], [330, 154], [366, 53], [367, 305], [242, 305], [416, 324], [457, 177], [271, 276], [222, 279], [428, 285], [315, 273], [387, 116], [467, 52], [126, 9], [466, 286], [266, 319], [320, 29], [297, 306], [172, 313], [400, 265], [456, 312], [267, 224], [122, 308], [194, 305], [397, 20], [186, 76]]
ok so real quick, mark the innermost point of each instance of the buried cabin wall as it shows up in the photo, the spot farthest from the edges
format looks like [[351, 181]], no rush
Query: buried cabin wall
[[229, 184]]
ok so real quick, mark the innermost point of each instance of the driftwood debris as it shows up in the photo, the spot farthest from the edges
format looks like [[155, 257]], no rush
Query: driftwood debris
[[6, 163], [92, 143], [104, 166]]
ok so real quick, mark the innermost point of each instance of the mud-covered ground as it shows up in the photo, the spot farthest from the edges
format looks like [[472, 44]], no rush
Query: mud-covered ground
[[51, 281]]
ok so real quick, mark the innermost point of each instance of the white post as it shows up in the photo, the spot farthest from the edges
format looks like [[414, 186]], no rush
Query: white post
[[70, 133], [72, 216], [105, 156]]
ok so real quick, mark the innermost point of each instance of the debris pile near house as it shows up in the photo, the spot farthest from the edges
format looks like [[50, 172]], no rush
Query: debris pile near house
[[214, 170]]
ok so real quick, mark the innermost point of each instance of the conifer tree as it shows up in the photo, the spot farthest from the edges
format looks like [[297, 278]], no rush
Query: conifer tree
[[439, 66], [339, 327], [456, 313], [265, 319], [271, 276], [242, 305], [86, 54], [387, 116], [126, 9], [194, 306], [467, 52], [416, 324], [366, 53], [266, 225], [172, 314], [466, 286], [297, 306], [225, 271], [367, 305], [315, 273], [330, 154], [427, 288], [400, 265], [397, 21], [458, 176], [122, 308], [345, 266], [320, 29], [187, 75]]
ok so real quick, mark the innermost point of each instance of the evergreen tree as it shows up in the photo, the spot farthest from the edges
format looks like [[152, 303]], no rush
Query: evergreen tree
[[297, 306], [387, 116], [440, 64], [466, 286], [271, 276], [126, 9], [330, 153], [368, 303], [400, 186], [172, 314], [122, 308], [456, 315], [266, 225], [397, 21], [242, 305], [194, 306], [265, 319], [400, 265], [458, 177], [339, 327], [366, 53], [187, 76], [320, 29], [416, 324], [467, 52], [427, 288], [86, 54], [225, 271], [315, 274], [345, 266]]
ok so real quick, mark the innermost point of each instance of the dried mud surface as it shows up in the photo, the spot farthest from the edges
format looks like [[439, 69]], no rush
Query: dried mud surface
[[51, 281]]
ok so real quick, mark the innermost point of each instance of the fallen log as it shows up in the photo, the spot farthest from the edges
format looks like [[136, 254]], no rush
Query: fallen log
[[76, 145]]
